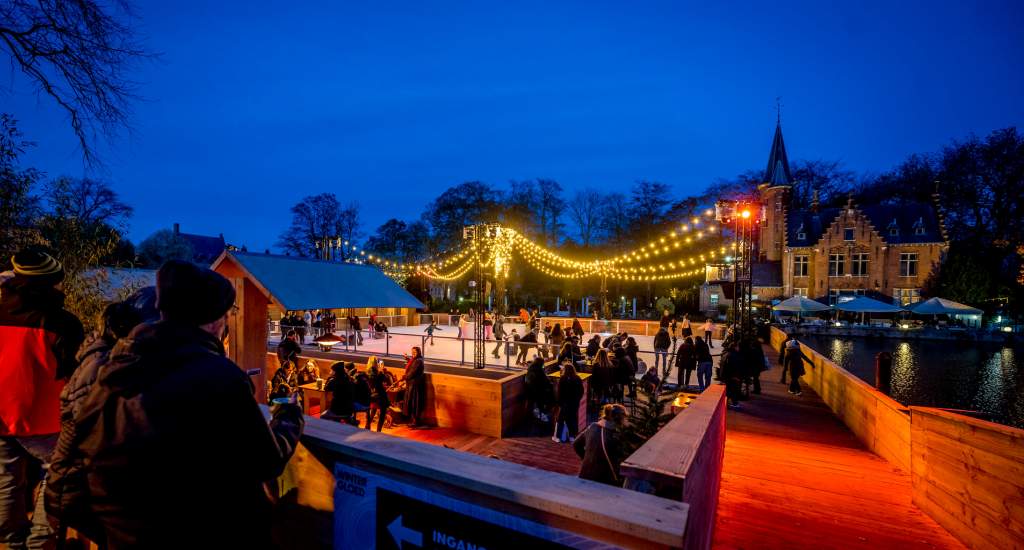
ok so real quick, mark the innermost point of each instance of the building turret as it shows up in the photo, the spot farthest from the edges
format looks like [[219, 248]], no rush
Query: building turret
[[774, 198]]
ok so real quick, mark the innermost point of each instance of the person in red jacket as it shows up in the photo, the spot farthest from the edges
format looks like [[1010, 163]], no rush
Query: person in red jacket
[[38, 342]]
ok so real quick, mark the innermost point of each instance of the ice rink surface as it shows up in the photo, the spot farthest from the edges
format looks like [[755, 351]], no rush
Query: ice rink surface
[[448, 347]]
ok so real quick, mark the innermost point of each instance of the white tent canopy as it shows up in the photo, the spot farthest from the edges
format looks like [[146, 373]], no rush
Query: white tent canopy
[[800, 304], [863, 304], [942, 306]]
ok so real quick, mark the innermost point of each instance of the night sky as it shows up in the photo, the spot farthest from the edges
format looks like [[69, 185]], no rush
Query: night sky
[[254, 105]]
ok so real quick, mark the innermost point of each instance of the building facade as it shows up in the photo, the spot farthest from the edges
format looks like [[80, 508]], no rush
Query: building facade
[[830, 254]]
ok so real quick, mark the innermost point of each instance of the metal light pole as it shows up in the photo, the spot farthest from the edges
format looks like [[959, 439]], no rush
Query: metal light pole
[[744, 216]]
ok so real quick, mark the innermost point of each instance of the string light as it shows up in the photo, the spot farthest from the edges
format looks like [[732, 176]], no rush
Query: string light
[[495, 251]]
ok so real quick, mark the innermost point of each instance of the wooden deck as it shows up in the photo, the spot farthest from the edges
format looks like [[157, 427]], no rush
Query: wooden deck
[[537, 451], [795, 477]]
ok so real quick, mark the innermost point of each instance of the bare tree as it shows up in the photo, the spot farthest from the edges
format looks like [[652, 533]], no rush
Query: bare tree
[[77, 52], [585, 213], [616, 220], [551, 205], [317, 218], [88, 200]]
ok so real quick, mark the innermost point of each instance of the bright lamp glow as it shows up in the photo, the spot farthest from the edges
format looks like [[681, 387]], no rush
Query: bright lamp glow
[[745, 214]]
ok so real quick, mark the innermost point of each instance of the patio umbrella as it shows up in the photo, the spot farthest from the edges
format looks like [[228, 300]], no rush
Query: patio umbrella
[[940, 306], [865, 305], [800, 304]]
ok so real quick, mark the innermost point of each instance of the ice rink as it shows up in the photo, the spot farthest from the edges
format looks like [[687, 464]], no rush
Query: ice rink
[[448, 347]]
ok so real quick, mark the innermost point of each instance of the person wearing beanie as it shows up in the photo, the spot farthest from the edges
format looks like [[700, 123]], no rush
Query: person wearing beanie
[[38, 341], [177, 446]]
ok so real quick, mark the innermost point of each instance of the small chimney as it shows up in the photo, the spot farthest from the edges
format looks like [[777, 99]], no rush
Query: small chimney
[[177, 228]]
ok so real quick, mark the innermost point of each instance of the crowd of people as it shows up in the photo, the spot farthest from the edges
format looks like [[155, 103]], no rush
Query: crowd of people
[[370, 391], [318, 322], [116, 437]]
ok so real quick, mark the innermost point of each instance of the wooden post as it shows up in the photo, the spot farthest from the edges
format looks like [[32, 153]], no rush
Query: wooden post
[[247, 333]]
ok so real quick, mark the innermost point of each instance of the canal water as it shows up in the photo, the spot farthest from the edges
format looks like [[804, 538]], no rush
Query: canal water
[[981, 377]]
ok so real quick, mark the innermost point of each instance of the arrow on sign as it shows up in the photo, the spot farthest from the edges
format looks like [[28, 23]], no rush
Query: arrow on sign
[[401, 533]]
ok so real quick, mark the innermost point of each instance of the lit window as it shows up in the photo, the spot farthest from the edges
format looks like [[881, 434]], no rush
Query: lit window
[[848, 234], [800, 265], [859, 264], [906, 296], [714, 300], [908, 264], [836, 263]]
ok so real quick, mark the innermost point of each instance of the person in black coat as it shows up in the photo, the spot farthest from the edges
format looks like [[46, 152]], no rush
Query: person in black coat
[[525, 344], [288, 348], [171, 428], [379, 402], [732, 371], [686, 362], [625, 374], [754, 360], [570, 393], [415, 379], [662, 341], [540, 392], [342, 389], [577, 328], [593, 345]]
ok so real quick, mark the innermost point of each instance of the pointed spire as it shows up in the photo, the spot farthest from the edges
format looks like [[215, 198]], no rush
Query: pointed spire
[[777, 172]]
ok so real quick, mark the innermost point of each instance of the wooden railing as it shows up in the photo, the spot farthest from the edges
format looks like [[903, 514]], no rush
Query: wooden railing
[[683, 462], [569, 510], [879, 421], [967, 473]]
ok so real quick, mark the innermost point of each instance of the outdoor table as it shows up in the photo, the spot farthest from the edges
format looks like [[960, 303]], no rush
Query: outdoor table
[[311, 392], [582, 414]]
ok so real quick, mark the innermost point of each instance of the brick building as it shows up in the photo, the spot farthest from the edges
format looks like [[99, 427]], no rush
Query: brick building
[[886, 251]]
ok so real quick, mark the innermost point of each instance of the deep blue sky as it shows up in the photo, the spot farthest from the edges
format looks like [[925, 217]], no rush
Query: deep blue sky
[[256, 104]]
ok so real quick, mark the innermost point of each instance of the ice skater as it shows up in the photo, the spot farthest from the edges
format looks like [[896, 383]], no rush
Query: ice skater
[[430, 331]]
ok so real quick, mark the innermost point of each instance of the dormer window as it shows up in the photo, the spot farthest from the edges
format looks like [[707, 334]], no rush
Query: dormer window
[[894, 230], [801, 234], [919, 226]]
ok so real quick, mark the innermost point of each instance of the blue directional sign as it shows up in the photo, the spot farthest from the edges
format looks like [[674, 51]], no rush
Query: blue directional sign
[[373, 511]]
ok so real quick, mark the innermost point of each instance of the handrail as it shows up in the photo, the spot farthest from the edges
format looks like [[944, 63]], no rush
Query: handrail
[[553, 499]]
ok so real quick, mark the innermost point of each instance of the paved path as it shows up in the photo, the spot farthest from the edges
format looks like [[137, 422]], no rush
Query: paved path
[[795, 477]]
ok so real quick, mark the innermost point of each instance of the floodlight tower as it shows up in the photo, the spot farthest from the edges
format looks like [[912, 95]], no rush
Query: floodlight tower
[[478, 235], [744, 216]]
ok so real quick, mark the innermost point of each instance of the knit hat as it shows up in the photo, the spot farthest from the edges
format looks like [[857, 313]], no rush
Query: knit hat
[[193, 294], [37, 266]]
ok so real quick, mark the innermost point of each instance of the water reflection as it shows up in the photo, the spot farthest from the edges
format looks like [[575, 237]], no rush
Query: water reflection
[[950, 374], [904, 371]]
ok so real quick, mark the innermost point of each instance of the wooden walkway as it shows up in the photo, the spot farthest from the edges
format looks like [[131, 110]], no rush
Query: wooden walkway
[[795, 477]]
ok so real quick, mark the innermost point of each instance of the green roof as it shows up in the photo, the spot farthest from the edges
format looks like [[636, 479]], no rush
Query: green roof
[[303, 283]]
